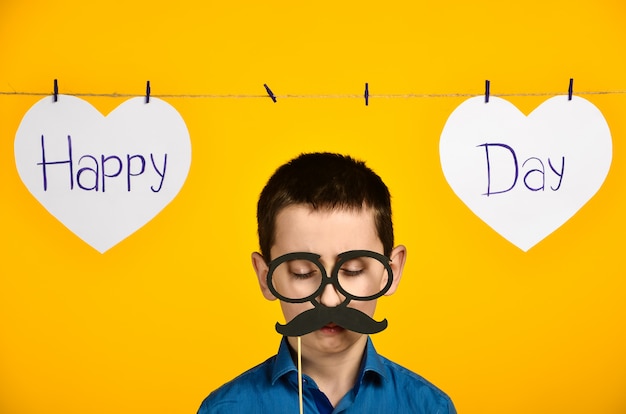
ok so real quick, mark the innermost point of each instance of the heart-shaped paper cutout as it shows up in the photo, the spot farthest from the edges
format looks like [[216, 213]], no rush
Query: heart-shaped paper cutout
[[103, 177], [525, 176]]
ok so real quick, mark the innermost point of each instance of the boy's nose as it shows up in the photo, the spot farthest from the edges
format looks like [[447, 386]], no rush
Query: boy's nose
[[330, 297]]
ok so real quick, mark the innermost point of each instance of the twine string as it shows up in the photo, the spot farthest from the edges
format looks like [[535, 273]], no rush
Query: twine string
[[310, 96]]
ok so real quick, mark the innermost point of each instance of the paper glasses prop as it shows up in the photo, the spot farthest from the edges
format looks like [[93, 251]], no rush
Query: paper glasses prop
[[299, 277]]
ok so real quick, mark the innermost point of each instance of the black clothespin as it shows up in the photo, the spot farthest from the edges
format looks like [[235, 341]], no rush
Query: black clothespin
[[55, 93], [148, 92], [366, 95], [570, 90], [269, 92], [487, 86]]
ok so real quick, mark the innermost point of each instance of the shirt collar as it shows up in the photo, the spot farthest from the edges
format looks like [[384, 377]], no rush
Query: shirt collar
[[283, 364], [373, 362]]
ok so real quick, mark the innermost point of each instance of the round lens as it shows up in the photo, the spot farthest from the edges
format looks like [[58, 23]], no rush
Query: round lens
[[296, 279], [363, 276]]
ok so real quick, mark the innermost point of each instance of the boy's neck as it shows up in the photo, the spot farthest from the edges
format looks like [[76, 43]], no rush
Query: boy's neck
[[334, 373]]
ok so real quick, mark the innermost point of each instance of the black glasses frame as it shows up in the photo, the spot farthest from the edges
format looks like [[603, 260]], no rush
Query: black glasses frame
[[334, 276]]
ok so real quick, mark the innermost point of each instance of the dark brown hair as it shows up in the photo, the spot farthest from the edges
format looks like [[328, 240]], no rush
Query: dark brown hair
[[324, 181]]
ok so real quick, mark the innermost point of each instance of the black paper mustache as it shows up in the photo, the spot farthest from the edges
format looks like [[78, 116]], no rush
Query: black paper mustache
[[320, 316]]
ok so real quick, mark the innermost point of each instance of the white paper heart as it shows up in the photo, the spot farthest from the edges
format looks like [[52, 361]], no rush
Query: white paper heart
[[525, 176], [103, 177]]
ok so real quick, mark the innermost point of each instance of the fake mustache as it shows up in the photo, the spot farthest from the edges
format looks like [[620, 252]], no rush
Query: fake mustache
[[320, 316]]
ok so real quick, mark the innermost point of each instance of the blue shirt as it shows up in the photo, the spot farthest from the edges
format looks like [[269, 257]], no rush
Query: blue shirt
[[382, 386]]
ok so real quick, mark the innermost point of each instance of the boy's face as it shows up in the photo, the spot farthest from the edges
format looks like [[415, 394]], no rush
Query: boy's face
[[326, 233]]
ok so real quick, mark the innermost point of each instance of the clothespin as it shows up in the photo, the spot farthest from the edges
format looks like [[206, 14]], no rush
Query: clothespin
[[570, 90], [148, 92], [55, 96], [269, 92], [487, 86], [366, 95]]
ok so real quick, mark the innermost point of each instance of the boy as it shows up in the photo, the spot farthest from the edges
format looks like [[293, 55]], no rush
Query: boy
[[326, 241]]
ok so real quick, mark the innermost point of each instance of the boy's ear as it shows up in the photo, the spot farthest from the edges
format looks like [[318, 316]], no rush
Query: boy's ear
[[261, 269], [398, 258]]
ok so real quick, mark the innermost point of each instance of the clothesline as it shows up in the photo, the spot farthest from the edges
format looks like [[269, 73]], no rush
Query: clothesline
[[311, 96]]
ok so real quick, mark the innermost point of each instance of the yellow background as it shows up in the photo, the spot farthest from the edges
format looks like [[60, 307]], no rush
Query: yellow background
[[172, 312]]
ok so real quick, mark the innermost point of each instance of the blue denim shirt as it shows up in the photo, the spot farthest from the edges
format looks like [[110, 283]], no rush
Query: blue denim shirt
[[382, 387]]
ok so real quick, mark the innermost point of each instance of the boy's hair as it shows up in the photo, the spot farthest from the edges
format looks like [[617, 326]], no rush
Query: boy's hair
[[324, 181]]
